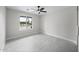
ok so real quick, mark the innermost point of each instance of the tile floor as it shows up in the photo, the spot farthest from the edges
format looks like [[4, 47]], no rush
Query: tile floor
[[40, 43]]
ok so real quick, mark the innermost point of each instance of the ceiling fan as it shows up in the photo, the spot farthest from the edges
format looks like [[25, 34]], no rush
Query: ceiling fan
[[39, 10]]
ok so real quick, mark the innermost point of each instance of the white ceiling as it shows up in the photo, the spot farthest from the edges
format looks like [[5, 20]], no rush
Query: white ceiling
[[49, 9]]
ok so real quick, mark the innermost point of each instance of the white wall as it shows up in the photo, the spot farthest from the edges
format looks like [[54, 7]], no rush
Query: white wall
[[13, 24], [2, 27], [78, 28], [62, 24]]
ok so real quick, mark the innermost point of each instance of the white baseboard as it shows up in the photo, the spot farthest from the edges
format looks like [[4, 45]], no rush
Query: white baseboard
[[49, 35], [61, 37], [16, 36]]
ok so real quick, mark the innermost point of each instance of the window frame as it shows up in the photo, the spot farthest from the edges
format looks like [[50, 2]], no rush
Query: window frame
[[26, 27]]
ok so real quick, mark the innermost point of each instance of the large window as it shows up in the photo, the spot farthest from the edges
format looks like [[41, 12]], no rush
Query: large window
[[25, 22]]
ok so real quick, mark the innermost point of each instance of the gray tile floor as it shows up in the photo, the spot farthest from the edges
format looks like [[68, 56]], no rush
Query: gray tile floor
[[40, 43]]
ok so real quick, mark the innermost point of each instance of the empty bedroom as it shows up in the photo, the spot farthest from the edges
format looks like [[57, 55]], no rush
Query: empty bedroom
[[39, 28]]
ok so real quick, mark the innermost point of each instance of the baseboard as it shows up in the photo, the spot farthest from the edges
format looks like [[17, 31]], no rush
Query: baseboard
[[61, 37], [15, 36], [49, 35]]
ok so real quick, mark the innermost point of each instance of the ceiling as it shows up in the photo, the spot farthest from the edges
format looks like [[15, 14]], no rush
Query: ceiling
[[49, 9]]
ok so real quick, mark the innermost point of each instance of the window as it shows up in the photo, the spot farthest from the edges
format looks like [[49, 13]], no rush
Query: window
[[25, 22], [29, 22]]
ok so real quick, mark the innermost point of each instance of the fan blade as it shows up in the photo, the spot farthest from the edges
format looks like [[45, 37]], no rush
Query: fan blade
[[41, 9]]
